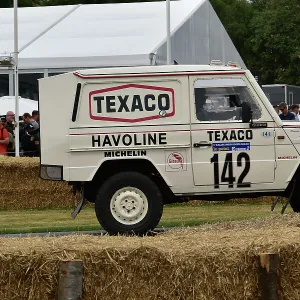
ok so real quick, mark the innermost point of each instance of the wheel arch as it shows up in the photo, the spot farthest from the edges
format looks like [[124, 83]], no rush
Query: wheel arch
[[111, 167]]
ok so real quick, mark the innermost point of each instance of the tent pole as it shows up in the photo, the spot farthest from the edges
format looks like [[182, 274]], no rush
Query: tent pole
[[168, 32], [16, 56]]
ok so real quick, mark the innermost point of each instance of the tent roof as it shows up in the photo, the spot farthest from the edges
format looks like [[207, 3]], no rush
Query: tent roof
[[90, 35], [7, 103]]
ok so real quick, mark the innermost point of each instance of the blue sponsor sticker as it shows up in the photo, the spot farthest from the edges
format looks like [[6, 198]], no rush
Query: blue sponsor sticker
[[242, 146]]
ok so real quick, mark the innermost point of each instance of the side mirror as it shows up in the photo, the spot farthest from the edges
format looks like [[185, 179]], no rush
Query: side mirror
[[246, 112]]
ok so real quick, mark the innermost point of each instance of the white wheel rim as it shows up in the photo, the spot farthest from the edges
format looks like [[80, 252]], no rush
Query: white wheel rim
[[129, 205]]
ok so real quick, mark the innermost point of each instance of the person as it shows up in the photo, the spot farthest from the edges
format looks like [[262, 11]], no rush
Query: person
[[3, 121], [36, 132], [295, 111], [10, 117], [276, 107], [26, 119], [35, 119], [4, 139], [285, 115], [26, 136]]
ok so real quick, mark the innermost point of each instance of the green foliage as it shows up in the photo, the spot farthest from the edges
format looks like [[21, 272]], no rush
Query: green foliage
[[21, 3], [275, 40], [6, 3], [236, 16], [266, 34]]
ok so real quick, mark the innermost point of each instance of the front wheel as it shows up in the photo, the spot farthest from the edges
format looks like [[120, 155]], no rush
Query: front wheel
[[295, 204], [129, 203]]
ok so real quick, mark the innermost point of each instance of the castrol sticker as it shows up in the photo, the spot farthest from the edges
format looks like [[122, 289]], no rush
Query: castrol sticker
[[132, 103], [176, 161]]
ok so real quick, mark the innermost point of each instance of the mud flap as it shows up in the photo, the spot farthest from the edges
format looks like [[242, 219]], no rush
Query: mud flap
[[78, 208], [285, 205], [81, 203]]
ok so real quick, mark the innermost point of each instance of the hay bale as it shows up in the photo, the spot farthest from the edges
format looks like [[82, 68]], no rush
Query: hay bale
[[211, 262], [22, 188]]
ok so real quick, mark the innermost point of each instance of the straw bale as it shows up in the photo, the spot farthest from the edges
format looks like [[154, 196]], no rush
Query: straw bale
[[22, 188], [209, 262]]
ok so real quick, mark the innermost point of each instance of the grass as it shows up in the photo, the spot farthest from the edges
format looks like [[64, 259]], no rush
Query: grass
[[192, 214]]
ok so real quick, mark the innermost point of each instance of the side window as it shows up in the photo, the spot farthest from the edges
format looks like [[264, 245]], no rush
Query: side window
[[220, 100]]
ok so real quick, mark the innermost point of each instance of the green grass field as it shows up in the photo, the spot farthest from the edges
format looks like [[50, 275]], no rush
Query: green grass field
[[24, 221]]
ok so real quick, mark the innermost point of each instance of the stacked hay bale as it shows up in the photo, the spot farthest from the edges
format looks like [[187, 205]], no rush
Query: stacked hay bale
[[22, 188], [211, 262]]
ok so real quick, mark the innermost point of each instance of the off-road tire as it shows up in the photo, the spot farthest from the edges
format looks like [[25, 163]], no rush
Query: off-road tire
[[295, 203], [295, 199], [118, 182]]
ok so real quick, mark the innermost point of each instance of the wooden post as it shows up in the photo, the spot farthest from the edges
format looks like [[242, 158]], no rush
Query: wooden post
[[269, 277], [70, 280]]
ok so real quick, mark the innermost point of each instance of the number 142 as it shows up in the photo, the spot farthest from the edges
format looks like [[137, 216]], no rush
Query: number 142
[[227, 172]]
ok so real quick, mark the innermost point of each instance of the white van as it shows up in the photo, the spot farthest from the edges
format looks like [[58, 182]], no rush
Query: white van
[[133, 139]]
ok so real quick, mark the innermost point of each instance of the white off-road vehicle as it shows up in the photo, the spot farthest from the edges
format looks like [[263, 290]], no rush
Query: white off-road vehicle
[[135, 138]]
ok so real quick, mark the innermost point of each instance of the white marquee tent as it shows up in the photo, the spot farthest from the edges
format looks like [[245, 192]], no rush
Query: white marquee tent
[[7, 103], [83, 36], [57, 39]]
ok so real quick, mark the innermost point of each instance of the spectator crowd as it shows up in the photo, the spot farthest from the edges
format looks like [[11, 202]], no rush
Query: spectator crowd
[[286, 113], [29, 134]]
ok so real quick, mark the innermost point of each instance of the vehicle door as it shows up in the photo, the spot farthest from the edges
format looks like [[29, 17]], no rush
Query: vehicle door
[[227, 154]]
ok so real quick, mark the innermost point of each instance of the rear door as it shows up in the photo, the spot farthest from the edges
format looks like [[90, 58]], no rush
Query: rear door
[[226, 153]]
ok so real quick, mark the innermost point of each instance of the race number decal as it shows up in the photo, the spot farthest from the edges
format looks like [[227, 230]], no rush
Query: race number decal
[[243, 160], [267, 134]]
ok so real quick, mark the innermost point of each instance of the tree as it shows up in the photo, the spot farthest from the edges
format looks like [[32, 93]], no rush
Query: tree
[[6, 3], [236, 16], [21, 3], [275, 40], [265, 32]]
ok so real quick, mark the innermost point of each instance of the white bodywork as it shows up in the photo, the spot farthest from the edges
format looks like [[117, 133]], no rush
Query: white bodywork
[[158, 122]]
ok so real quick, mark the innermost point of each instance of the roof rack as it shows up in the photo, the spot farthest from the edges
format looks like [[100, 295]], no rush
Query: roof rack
[[233, 64], [216, 62]]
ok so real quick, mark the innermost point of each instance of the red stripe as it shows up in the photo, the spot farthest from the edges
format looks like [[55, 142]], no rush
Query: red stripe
[[79, 134], [157, 75], [183, 130]]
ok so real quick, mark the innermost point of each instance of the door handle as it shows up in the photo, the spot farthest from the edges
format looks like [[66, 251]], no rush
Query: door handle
[[202, 144]]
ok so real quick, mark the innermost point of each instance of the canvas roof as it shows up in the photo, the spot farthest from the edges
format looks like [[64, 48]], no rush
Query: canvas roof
[[84, 36], [7, 103]]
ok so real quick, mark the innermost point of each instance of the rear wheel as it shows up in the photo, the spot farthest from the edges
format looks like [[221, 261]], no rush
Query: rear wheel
[[295, 203], [295, 197], [129, 203]]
